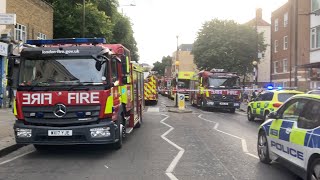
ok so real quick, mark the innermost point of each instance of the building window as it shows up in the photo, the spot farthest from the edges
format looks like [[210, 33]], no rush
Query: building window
[[285, 65], [42, 36], [276, 24], [276, 46], [315, 37], [315, 5], [20, 32], [285, 43], [285, 20], [275, 67]]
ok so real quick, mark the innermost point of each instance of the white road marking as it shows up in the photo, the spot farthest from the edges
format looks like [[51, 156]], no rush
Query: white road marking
[[175, 161], [243, 141], [14, 158], [153, 109], [106, 166]]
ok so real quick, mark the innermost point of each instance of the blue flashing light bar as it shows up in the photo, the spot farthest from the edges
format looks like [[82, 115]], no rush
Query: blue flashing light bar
[[270, 87], [280, 88], [67, 41]]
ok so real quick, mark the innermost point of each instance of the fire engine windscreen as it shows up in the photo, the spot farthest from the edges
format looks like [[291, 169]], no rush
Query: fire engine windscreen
[[60, 71], [224, 82], [182, 83]]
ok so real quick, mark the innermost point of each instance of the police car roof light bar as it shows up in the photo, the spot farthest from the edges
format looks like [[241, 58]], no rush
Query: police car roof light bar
[[67, 41]]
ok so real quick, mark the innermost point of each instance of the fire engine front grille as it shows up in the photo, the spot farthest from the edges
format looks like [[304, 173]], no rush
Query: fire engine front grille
[[45, 115], [223, 98], [77, 138]]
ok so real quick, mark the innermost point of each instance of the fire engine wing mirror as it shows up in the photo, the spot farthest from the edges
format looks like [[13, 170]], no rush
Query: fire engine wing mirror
[[98, 65]]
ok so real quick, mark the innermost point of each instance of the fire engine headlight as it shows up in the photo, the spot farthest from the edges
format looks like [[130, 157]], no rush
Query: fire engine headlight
[[236, 104], [100, 132], [23, 133]]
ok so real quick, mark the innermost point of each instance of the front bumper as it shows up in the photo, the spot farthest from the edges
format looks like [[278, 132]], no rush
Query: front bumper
[[80, 134], [222, 105]]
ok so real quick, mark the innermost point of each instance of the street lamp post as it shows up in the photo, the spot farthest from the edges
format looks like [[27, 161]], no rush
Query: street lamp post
[[177, 70], [126, 5], [83, 18], [255, 65]]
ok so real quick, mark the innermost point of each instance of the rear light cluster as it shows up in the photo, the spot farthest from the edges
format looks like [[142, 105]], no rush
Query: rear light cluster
[[276, 105]]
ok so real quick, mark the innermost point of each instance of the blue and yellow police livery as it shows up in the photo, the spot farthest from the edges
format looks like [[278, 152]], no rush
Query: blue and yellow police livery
[[267, 102], [292, 135]]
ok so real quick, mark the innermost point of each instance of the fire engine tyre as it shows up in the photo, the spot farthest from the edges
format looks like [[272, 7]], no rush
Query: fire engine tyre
[[262, 148], [117, 145], [249, 115], [314, 170], [202, 105], [233, 110]]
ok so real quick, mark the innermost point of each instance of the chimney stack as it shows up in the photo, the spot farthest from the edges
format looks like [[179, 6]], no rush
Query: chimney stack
[[259, 14]]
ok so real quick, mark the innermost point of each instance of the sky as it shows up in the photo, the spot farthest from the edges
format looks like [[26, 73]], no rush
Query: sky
[[156, 23]]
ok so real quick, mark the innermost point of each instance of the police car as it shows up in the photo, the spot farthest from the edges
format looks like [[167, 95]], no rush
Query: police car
[[267, 102], [291, 135]]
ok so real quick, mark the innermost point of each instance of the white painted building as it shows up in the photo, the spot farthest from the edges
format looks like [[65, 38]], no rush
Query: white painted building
[[264, 66]]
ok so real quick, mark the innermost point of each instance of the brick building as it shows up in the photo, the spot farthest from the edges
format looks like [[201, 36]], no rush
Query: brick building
[[290, 38], [314, 65], [185, 58], [34, 20]]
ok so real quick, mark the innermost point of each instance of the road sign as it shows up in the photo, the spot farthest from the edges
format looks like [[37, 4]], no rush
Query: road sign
[[7, 19], [3, 49], [181, 101]]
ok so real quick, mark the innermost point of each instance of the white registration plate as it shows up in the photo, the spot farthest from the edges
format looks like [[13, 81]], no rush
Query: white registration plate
[[59, 132], [224, 104]]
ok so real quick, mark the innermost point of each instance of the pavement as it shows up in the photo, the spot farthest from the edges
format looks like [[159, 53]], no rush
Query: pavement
[[243, 107], [198, 145], [7, 141]]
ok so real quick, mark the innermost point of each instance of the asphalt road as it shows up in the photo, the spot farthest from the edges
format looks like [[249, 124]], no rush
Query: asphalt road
[[198, 145]]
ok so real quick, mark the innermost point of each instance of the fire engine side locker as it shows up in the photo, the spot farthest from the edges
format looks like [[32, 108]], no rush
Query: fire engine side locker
[[137, 95]]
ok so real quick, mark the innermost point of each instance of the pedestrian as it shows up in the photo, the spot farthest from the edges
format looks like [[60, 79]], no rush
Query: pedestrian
[[245, 97], [254, 94]]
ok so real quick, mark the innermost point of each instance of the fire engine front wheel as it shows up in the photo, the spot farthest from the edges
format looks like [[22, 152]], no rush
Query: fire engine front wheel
[[117, 145], [233, 110]]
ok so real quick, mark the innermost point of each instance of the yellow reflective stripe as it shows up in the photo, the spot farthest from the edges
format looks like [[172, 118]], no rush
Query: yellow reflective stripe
[[201, 90], [109, 105], [297, 136], [207, 93], [128, 64], [15, 107], [275, 125]]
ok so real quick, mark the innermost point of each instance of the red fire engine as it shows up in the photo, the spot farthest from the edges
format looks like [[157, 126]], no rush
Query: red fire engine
[[165, 86], [215, 89], [77, 91]]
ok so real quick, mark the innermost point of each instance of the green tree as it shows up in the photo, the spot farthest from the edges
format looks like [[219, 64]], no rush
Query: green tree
[[102, 20], [160, 66], [123, 34], [225, 44]]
